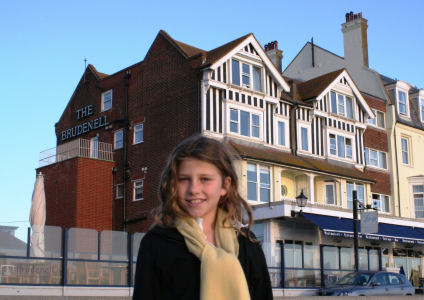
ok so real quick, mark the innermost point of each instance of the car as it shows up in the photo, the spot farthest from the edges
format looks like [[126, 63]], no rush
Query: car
[[370, 283]]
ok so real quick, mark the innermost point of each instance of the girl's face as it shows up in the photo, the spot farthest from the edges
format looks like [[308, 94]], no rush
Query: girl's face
[[199, 188]]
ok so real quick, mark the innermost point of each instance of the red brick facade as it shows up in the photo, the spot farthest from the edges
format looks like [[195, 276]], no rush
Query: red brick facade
[[79, 193]]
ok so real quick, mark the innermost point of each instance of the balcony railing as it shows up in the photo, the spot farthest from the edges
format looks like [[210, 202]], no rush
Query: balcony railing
[[76, 148]]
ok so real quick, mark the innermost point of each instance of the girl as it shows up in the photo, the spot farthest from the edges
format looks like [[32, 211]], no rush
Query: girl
[[199, 248]]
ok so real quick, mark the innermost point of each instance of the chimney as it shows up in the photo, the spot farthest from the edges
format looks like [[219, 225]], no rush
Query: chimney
[[355, 39], [274, 54]]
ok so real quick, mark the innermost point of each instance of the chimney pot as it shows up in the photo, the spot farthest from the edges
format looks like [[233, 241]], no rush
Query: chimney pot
[[276, 44], [351, 16], [347, 17], [360, 15]]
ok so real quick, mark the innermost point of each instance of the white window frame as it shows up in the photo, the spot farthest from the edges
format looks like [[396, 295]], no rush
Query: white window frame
[[352, 141], [380, 202], [116, 140], [332, 184], [367, 152], [374, 121], [258, 183], [277, 132], [307, 126], [136, 185], [338, 104], [408, 151], [421, 104], [250, 74], [138, 128], [406, 114], [94, 147], [250, 111], [119, 187], [106, 102], [355, 184]]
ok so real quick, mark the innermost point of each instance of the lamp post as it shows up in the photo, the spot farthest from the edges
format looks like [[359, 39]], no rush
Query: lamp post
[[301, 202]]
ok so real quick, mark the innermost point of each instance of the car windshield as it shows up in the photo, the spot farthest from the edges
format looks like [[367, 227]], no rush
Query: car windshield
[[355, 279]]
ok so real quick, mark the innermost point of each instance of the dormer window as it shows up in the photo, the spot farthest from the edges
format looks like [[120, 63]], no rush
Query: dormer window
[[402, 103], [342, 105], [249, 77]]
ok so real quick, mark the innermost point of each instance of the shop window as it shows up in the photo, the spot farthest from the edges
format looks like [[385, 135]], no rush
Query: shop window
[[331, 257], [347, 258]]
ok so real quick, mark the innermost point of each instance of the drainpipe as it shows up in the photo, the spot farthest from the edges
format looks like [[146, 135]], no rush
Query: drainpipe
[[397, 167], [125, 169]]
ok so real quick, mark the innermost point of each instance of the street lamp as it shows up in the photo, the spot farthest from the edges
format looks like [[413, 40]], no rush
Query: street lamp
[[301, 202]]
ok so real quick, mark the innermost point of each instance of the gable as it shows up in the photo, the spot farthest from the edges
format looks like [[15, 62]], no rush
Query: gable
[[250, 49]]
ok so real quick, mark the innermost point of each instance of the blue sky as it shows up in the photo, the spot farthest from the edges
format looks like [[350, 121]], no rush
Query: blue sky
[[43, 45]]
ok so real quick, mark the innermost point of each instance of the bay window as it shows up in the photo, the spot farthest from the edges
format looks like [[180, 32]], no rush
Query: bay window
[[258, 183], [245, 123]]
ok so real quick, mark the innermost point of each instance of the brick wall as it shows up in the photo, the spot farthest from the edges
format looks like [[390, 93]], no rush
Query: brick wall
[[79, 193]]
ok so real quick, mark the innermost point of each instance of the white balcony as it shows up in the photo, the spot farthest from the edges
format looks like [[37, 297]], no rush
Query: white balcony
[[76, 148]]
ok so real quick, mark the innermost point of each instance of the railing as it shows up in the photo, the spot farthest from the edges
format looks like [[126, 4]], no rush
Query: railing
[[77, 148], [74, 257]]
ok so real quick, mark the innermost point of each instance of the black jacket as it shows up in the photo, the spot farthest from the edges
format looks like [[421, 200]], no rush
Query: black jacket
[[167, 270]]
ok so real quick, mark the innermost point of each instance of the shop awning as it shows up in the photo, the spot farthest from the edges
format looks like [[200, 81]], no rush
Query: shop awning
[[343, 227]]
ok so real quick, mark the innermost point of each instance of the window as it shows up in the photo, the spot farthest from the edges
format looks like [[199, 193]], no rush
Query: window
[[250, 76], [281, 133], [235, 72], [418, 194], [421, 102], [342, 105], [138, 190], [405, 151], [119, 191], [378, 120], [107, 100], [94, 147], [402, 105], [258, 183], [118, 139], [245, 123], [329, 193], [340, 146], [299, 254], [360, 193], [304, 139], [381, 202], [375, 158], [138, 133]]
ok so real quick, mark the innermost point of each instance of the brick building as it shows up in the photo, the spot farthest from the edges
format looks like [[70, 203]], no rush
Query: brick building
[[318, 135]]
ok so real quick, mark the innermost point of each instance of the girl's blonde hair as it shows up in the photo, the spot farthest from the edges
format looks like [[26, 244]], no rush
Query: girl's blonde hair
[[207, 150]]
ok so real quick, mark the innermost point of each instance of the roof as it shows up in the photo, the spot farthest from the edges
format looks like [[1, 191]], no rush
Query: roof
[[312, 88], [287, 159], [215, 54]]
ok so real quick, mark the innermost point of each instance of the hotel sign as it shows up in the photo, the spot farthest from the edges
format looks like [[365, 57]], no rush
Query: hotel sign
[[85, 127]]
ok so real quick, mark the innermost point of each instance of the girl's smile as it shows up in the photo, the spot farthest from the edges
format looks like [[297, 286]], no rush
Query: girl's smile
[[200, 186]]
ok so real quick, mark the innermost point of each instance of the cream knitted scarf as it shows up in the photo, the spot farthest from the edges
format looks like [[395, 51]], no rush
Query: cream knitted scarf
[[221, 275]]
